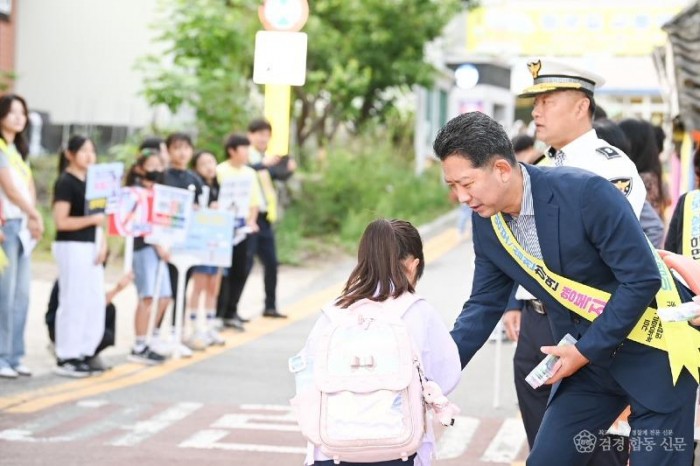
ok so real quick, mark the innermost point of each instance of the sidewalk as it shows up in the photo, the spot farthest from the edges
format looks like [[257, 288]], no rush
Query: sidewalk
[[291, 282]]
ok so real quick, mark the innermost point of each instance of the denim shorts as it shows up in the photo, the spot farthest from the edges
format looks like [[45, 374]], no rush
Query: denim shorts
[[145, 267], [205, 269]]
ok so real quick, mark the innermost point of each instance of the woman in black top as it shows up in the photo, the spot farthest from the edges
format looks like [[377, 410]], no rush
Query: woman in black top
[[674, 238], [79, 250]]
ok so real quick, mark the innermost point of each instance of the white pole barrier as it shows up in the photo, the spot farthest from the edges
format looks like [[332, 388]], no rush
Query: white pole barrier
[[497, 366], [155, 301]]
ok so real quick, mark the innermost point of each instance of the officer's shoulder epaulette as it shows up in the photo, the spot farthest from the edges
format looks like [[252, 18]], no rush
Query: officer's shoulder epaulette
[[608, 151]]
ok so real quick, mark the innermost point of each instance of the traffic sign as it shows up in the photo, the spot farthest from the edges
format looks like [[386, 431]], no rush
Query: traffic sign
[[280, 58], [284, 15]]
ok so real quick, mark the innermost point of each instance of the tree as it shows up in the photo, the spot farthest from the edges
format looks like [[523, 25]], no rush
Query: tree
[[360, 53], [206, 64]]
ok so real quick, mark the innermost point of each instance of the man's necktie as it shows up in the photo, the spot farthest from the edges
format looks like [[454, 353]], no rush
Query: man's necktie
[[559, 158]]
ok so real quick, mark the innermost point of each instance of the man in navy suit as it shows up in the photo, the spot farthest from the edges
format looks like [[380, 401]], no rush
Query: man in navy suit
[[583, 229]]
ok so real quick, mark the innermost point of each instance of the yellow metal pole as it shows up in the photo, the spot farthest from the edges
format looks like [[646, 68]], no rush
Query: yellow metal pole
[[277, 110]]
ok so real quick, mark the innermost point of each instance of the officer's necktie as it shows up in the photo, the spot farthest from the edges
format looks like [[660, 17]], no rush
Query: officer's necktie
[[559, 158]]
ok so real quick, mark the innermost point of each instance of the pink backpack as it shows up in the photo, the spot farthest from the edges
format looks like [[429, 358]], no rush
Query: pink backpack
[[359, 390]]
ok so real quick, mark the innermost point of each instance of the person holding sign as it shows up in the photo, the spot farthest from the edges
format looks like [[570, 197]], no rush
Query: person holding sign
[[23, 225], [79, 251], [240, 194], [145, 173], [574, 242], [206, 278]]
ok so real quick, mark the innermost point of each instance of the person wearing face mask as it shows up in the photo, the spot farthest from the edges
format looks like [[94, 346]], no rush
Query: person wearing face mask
[[146, 172]]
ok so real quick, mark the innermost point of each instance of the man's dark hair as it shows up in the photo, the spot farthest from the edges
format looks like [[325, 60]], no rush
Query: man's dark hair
[[259, 125], [476, 137], [234, 141], [178, 137], [522, 142]]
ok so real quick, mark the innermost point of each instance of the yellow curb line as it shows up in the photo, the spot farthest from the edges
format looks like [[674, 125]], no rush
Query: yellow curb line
[[128, 374]]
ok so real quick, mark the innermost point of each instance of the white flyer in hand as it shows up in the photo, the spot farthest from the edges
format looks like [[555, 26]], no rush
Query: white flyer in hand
[[685, 311], [545, 369]]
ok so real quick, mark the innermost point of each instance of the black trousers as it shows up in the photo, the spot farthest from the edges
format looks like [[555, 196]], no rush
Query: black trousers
[[535, 332], [232, 284], [262, 244]]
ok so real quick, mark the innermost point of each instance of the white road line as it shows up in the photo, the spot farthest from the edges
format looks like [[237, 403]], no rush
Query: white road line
[[254, 407], [286, 423], [145, 429], [209, 439], [92, 403], [506, 445], [456, 439]]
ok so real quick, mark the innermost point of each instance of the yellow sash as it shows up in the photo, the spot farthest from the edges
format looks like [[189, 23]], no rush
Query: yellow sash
[[691, 225], [16, 162], [679, 339]]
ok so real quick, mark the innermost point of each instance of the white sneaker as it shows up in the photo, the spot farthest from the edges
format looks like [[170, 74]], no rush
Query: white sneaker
[[23, 370], [197, 341], [182, 350], [8, 373], [215, 338]]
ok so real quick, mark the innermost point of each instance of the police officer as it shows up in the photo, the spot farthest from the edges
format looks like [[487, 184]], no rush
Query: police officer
[[563, 113]]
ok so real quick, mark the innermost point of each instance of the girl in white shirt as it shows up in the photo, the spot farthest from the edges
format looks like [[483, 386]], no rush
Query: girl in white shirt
[[22, 223], [390, 262]]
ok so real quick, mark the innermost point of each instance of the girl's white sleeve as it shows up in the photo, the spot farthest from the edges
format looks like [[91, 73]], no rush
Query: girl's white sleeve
[[438, 350]]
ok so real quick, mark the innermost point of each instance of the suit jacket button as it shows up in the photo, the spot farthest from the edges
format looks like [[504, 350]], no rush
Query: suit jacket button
[[577, 320]]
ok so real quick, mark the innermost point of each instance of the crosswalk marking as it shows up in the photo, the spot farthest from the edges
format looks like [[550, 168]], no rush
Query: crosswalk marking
[[145, 429], [210, 438], [250, 428], [456, 439], [507, 443]]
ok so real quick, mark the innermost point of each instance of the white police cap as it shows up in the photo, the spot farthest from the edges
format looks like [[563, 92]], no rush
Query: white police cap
[[551, 76]]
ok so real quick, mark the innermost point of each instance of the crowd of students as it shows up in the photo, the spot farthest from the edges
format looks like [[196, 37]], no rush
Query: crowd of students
[[77, 325]]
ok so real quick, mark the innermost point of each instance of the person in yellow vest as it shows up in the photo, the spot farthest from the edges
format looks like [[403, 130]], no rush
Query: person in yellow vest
[[268, 167], [573, 241], [23, 226], [238, 179], [684, 230]]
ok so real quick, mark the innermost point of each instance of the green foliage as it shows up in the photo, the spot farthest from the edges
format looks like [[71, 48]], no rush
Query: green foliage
[[360, 52], [336, 204], [206, 64]]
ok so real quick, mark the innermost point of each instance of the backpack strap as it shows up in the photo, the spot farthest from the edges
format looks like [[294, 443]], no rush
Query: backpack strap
[[397, 306]]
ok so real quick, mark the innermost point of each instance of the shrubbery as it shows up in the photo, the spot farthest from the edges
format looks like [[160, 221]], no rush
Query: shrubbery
[[335, 205]]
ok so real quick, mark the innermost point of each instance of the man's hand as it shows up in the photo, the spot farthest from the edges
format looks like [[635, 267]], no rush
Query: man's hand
[[570, 361], [511, 322]]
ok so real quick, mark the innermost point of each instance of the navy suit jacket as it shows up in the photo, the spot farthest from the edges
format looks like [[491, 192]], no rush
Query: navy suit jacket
[[588, 233]]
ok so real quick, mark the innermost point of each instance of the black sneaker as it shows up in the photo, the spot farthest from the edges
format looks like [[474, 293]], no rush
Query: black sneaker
[[234, 323], [274, 313], [72, 368], [146, 356]]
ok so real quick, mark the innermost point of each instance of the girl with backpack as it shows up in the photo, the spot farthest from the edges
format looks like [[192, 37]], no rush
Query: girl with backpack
[[350, 358]]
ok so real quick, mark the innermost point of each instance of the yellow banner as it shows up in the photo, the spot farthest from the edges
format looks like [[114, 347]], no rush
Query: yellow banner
[[679, 339], [567, 28]]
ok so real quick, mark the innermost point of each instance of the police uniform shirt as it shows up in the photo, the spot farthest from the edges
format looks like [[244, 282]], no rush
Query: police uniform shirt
[[591, 153]]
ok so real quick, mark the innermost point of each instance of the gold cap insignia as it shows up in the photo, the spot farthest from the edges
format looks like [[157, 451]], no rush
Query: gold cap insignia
[[535, 67]]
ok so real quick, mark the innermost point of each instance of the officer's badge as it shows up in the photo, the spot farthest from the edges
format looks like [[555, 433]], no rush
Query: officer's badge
[[608, 152], [624, 184], [535, 67]]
